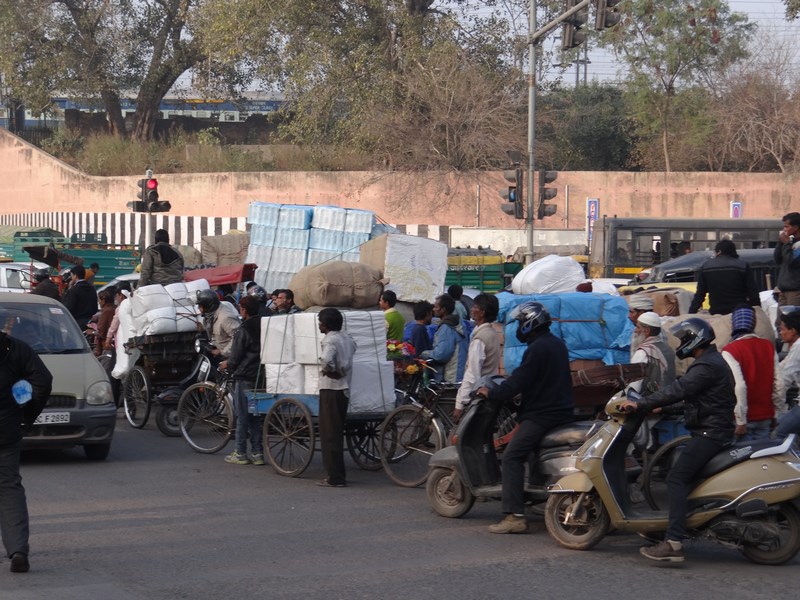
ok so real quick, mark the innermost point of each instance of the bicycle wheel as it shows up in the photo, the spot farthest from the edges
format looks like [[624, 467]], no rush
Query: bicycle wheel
[[409, 437], [363, 443], [136, 397], [205, 417], [289, 437], [654, 479]]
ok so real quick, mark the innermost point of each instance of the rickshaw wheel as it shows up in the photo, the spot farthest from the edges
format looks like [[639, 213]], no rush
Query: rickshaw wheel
[[289, 437], [136, 395]]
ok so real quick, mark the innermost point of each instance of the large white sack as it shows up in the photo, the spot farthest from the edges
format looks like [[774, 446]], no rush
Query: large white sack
[[148, 298], [277, 339], [549, 275], [156, 321], [187, 317], [125, 361], [192, 287], [284, 378], [307, 339], [372, 387], [178, 291]]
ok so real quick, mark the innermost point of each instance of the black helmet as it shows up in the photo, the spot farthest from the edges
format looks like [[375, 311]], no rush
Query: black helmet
[[693, 333], [530, 317], [208, 300], [259, 292], [41, 274]]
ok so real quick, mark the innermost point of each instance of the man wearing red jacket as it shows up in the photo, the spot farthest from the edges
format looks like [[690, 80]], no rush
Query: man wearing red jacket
[[757, 379]]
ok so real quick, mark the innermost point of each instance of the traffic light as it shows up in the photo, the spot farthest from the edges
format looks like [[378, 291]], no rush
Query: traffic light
[[607, 14], [545, 193], [513, 193], [572, 32], [148, 197]]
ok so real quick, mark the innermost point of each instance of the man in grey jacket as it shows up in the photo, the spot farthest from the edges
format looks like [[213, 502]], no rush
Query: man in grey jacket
[[161, 263]]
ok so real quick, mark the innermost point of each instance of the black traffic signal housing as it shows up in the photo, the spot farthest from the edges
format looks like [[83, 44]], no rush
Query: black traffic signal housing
[[606, 14], [572, 32], [148, 198], [546, 193], [513, 193]]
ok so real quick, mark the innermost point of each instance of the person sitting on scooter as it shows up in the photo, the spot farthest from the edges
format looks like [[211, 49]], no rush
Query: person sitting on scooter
[[544, 380], [707, 390]]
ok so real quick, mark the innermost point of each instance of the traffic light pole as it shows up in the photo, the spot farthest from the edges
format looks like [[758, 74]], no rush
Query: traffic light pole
[[533, 40]]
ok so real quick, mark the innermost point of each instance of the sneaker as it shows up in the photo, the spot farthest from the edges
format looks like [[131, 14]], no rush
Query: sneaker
[[257, 459], [326, 483], [19, 563], [235, 458], [663, 551], [511, 524]]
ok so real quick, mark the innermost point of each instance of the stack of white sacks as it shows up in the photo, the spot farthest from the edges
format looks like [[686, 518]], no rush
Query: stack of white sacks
[[286, 237], [156, 310], [290, 350]]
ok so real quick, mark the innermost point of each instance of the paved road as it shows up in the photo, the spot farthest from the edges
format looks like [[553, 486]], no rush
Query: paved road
[[158, 521]]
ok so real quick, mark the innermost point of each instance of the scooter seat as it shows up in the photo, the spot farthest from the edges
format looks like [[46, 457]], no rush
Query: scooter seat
[[734, 454], [566, 435]]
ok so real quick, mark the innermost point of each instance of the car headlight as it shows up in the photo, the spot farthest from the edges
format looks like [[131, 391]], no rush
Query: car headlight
[[99, 393]]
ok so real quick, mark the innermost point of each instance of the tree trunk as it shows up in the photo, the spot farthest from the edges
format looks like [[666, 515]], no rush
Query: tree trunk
[[116, 122], [665, 146]]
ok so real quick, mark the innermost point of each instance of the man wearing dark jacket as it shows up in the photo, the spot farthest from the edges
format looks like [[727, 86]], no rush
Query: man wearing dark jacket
[[45, 286], [244, 362], [161, 263], [707, 390], [727, 280], [787, 255], [17, 362], [80, 299], [544, 380]]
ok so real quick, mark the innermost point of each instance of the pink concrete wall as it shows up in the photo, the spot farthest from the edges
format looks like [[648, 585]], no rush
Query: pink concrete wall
[[35, 182]]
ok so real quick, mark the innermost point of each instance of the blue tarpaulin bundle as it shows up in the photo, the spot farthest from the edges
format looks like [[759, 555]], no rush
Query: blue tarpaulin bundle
[[593, 326]]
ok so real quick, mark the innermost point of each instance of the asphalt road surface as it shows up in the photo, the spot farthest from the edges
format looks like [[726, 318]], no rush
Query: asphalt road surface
[[159, 521]]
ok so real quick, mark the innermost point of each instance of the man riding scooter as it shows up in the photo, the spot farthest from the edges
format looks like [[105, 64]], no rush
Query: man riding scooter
[[545, 383], [708, 392]]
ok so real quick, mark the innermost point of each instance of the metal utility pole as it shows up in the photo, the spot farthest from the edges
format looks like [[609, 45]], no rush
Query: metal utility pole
[[531, 121]]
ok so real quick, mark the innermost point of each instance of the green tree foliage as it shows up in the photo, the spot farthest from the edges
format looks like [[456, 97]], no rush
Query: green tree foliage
[[98, 50], [668, 46]]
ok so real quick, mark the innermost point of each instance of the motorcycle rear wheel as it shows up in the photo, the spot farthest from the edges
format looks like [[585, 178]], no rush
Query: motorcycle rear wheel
[[787, 518], [591, 520], [448, 495], [167, 420]]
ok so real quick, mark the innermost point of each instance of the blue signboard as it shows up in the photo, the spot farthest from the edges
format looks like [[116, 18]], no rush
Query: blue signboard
[[592, 210]]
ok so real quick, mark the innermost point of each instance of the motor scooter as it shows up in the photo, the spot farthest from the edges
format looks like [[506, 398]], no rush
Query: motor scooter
[[469, 469], [167, 399], [746, 497]]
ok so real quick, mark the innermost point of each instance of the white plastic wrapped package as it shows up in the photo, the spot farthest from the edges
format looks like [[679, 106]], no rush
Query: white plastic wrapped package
[[359, 221], [192, 287], [277, 339], [311, 379], [177, 291], [307, 339], [285, 378], [124, 361], [549, 275], [368, 330], [372, 387], [329, 217], [187, 317], [149, 297]]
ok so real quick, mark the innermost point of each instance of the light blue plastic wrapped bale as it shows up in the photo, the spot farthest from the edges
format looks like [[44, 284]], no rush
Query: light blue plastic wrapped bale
[[359, 221], [593, 326], [295, 216], [352, 241], [263, 213], [325, 239]]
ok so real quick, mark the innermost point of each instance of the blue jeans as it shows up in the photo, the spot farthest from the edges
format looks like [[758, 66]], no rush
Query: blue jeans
[[788, 423], [756, 430], [13, 505], [247, 425]]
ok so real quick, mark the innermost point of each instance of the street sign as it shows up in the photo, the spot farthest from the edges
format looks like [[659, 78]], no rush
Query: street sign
[[737, 209]]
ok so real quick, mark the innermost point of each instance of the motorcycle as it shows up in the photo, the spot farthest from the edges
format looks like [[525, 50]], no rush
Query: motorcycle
[[167, 399], [469, 469], [747, 497]]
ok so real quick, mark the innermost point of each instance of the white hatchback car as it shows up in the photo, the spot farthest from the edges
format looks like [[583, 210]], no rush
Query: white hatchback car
[[81, 409]]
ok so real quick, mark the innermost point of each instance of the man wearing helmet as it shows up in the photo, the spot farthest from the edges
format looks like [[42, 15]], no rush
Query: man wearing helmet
[[707, 391], [44, 285], [221, 321], [545, 383]]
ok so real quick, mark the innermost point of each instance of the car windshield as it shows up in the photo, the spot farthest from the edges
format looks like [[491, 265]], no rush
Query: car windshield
[[46, 328]]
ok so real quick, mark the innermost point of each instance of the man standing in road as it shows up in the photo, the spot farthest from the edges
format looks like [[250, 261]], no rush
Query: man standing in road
[[787, 255], [17, 363], [336, 363], [545, 383], [81, 298], [395, 323], [727, 280], [450, 342], [161, 263]]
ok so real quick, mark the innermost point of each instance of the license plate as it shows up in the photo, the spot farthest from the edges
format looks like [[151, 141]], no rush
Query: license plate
[[204, 367], [52, 417]]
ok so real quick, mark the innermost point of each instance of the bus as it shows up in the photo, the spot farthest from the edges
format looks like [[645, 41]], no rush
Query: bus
[[623, 247]]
